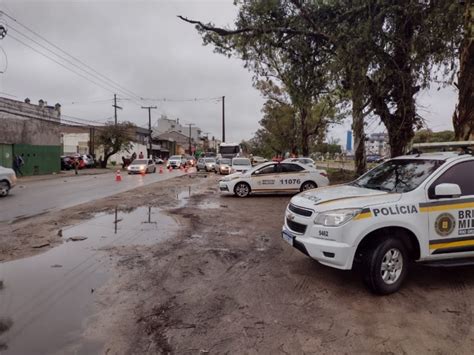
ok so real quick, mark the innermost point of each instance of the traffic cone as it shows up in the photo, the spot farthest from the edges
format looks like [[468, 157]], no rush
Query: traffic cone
[[118, 177], [170, 169], [161, 170], [142, 173], [186, 169]]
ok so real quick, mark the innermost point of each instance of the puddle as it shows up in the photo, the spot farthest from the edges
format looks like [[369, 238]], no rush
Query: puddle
[[182, 196], [48, 299], [209, 205]]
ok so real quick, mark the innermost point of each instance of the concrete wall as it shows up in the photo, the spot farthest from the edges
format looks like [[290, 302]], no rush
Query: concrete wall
[[25, 123], [75, 143]]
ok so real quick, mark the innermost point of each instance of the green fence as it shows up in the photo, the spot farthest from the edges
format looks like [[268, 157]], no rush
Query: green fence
[[39, 159], [6, 154]]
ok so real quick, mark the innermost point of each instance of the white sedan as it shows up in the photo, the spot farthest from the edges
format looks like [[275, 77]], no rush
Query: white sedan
[[142, 166], [274, 177]]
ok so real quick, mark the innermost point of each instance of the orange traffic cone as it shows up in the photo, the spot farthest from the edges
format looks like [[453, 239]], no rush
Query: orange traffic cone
[[170, 169], [186, 169], [161, 170], [118, 177], [142, 173]]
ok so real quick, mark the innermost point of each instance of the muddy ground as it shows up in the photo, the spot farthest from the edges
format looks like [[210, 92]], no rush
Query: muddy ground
[[228, 283]]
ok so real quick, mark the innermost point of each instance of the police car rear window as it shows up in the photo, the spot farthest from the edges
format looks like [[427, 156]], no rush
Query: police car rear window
[[400, 175]]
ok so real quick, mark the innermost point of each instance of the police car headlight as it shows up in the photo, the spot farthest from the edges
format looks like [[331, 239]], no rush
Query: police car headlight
[[336, 218]]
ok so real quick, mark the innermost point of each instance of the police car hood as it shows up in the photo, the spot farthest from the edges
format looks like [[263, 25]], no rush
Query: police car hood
[[342, 196]]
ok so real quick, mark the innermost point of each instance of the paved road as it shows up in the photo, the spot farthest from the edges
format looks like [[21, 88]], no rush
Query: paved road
[[35, 197]]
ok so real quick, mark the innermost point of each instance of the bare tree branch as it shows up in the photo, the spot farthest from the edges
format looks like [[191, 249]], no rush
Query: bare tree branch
[[281, 30]]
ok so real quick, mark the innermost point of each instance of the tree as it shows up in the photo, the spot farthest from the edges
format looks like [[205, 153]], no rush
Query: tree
[[276, 53], [463, 117], [405, 45], [428, 136], [114, 138]]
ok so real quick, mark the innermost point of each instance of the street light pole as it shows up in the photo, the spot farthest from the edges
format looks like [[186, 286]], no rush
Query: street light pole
[[190, 124], [223, 119], [149, 108]]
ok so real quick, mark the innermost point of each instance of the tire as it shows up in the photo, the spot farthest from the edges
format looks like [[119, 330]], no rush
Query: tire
[[4, 188], [242, 189], [308, 185], [389, 253]]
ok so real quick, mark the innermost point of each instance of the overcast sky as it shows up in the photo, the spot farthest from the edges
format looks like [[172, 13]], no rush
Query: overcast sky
[[145, 48]]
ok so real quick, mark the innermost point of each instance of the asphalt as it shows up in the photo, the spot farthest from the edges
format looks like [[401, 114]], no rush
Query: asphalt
[[30, 198]]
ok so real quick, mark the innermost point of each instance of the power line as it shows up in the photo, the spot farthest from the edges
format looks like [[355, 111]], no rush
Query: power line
[[61, 64], [123, 89], [87, 72]]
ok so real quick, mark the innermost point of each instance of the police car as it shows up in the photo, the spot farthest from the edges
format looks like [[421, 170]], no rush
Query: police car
[[274, 177], [411, 208]]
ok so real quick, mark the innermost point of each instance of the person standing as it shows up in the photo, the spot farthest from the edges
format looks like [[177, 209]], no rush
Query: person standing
[[76, 165], [140, 156], [17, 164]]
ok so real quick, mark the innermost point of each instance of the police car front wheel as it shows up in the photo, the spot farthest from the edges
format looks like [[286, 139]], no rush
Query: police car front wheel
[[242, 189], [386, 266], [308, 185]]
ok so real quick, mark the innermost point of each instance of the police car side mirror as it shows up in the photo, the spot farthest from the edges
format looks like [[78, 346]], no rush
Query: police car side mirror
[[447, 190]]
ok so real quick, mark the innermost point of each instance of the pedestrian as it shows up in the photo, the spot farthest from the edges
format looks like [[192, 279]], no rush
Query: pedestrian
[[134, 156], [140, 156], [76, 165], [18, 162]]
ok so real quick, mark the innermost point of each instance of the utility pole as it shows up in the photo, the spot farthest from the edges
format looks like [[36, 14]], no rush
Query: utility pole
[[223, 119], [190, 150], [149, 108], [115, 107]]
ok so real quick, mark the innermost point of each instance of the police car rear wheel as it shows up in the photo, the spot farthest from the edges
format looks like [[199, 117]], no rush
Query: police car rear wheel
[[242, 189], [386, 266]]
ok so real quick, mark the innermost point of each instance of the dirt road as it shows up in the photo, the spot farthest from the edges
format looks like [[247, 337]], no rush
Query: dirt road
[[227, 283]]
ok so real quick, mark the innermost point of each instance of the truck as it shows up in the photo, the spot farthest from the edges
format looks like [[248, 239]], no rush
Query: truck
[[230, 150]]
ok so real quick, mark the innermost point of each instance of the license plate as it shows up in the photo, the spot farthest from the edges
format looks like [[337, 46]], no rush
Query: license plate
[[288, 238]]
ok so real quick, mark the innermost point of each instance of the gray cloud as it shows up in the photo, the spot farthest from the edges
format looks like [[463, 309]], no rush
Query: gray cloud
[[144, 47]]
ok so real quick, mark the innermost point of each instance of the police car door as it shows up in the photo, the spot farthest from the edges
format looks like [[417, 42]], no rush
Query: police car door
[[451, 218], [265, 178], [290, 177]]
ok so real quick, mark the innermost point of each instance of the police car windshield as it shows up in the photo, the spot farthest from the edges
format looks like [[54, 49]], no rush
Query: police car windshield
[[398, 175]]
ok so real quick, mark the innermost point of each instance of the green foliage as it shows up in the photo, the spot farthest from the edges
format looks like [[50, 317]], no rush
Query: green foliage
[[428, 136]]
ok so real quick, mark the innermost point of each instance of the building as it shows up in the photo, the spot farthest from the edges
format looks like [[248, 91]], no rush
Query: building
[[349, 141], [377, 143], [178, 141], [32, 132], [166, 125]]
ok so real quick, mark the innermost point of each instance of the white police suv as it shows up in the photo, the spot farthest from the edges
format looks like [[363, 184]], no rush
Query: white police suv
[[274, 177], [410, 208]]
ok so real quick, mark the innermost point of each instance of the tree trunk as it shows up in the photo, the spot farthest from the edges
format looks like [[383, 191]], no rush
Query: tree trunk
[[304, 132], [463, 117], [358, 129]]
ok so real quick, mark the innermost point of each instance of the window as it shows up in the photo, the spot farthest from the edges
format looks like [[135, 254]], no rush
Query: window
[[398, 175], [290, 168], [269, 169], [461, 174]]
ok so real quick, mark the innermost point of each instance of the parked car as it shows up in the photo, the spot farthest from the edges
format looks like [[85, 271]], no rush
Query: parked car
[[240, 165], [274, 177], [7, 180], [374, 158], [258, 160], [176, 161], [66, 163], [140, 166], [89, 161], [303, 160], [222, 166], [159, 161]]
